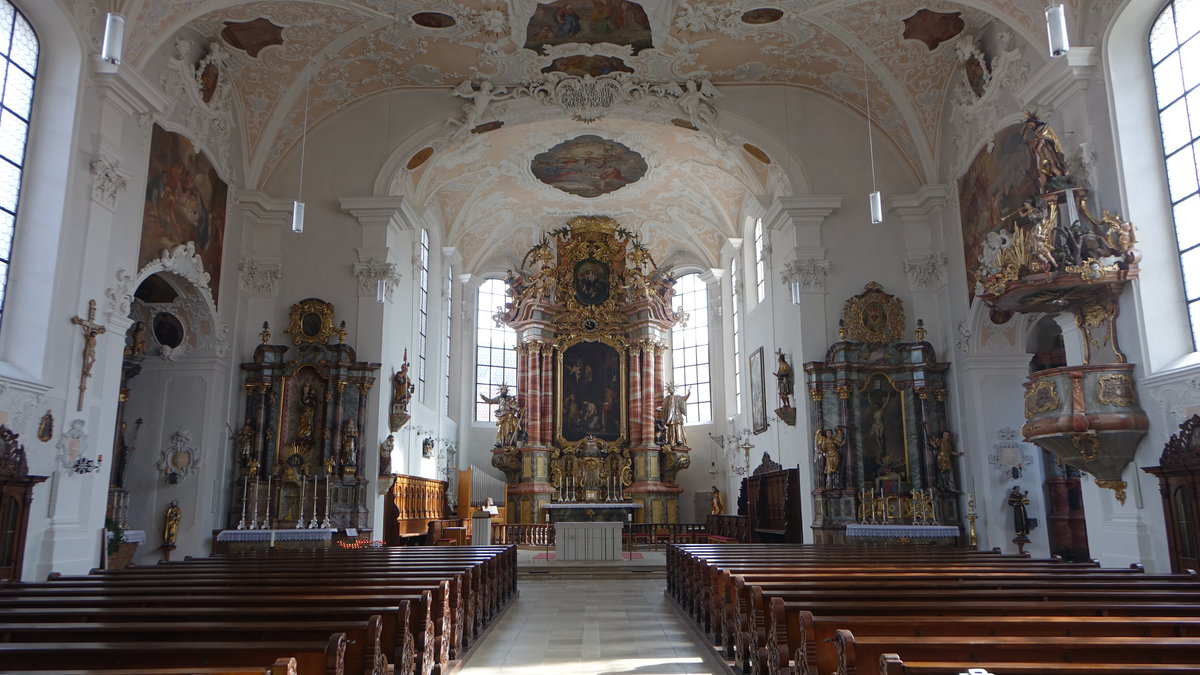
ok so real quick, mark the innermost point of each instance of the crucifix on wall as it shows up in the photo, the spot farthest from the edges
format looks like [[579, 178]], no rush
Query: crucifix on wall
[[90, 330]]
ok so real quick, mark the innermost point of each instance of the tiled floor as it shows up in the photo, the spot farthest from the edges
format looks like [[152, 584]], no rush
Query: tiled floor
[[600, 627]]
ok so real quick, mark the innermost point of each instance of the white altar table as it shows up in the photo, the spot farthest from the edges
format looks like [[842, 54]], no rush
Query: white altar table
[[587, 541]]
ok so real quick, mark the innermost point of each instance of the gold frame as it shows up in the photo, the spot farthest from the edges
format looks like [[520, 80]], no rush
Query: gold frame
[[1111, 389], [305, 308], [903, 415], [1047, 387], [757, 374], [560, 349], [861, 326]]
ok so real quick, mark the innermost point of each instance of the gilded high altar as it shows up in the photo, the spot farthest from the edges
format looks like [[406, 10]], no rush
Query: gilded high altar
[[592, 315]]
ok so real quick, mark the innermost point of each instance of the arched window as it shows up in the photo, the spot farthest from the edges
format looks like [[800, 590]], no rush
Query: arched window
[[1175, 53], [735, 283], [19, 50], [423, 315], [495, 350], [689, 348], [760, 264]]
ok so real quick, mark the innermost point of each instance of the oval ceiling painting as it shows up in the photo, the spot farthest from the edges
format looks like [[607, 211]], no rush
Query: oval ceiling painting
[[589, 166]]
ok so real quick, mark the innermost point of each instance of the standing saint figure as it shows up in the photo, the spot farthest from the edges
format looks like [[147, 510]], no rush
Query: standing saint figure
[[785, 379], [171, 525], [674, 414], [402, 391], [1018, 501], [385, 455], [508, 417], [308, 413], [244, 439], [718, 502], [828, 444], [944, 454], [349, 443]]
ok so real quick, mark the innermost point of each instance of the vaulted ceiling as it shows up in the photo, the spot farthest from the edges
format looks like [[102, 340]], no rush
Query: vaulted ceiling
[[905, 50]]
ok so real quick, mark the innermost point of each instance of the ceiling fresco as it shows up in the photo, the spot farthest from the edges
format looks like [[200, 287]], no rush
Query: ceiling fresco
[[343, 51], [588, 166]]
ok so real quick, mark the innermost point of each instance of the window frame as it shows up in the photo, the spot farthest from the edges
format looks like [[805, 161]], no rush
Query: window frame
[[698, 402], [485, 322]]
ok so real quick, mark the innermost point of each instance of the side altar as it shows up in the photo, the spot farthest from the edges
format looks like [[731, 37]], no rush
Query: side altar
[[882, 450], [593, 421], [300, 458]]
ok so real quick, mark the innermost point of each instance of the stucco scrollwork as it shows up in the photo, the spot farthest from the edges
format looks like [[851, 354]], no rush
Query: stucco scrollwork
[[107, 181], [977, 116], [202, 98], [259, 278], [179, 459], [962, 338], [926, 273]]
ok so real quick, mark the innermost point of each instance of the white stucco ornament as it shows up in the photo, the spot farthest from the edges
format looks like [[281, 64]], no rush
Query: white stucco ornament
[[178, 460]]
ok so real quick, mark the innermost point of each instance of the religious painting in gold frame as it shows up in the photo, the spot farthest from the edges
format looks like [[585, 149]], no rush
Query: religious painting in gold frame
[[882, 417], [311, 322], [590, 398]]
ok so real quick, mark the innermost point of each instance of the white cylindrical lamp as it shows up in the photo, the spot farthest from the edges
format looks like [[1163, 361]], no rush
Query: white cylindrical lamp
[[876, 208], [114, 38], [1056, 29]]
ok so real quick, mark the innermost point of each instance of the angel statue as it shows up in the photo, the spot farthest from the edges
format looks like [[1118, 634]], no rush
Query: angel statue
[[828, 443]]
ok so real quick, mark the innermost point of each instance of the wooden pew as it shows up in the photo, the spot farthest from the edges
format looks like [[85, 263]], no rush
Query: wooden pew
[[363, 652], [419, 627], [280, 667], [891, 664], [311, 658], [863, 654]]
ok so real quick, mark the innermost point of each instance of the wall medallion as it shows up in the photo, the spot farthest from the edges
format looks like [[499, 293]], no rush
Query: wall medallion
[[310, 322]]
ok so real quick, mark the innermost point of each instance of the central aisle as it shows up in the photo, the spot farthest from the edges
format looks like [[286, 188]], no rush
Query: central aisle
[[588, 628]]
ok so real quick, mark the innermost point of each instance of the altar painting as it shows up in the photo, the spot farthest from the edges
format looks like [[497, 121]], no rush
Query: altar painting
[[185, 201], [993, 188], [591, 400], [884, 433], [617, 22]]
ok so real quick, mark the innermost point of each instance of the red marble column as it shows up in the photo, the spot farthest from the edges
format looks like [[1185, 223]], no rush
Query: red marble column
[[635, 396], [547, 374]]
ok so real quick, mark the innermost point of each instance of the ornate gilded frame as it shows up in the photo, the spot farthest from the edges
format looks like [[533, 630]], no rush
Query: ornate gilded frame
[[873, 316], [561, 348], [311, 322]]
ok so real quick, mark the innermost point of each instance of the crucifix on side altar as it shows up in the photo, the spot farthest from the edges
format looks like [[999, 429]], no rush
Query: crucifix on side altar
[[90, 330]]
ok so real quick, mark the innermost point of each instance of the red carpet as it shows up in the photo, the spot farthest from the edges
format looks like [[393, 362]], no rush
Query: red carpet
[[626, 555]]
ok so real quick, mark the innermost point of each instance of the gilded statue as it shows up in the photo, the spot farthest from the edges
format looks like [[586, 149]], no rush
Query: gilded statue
[[402, 391], [509, 421], [349, 442], [171, 525], [674, 414], [717, 502], [944, 454], [828, 444], [308, 413], [785, 378]]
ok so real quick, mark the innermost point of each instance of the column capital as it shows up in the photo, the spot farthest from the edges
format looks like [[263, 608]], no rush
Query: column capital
[[731, 247], [261, 209], [382, 211]]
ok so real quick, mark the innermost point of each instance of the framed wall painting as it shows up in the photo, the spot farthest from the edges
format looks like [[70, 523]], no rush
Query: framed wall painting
[[758, 393]]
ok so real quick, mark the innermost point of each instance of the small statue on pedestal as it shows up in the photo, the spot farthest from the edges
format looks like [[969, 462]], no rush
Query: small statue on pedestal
[[828, 443], [674, 414], [1018, 500], [718, 502], [171, 525], [385, 455]]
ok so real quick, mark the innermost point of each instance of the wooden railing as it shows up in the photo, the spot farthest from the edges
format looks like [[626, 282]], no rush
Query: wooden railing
[[523, 535], [648, 533]]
